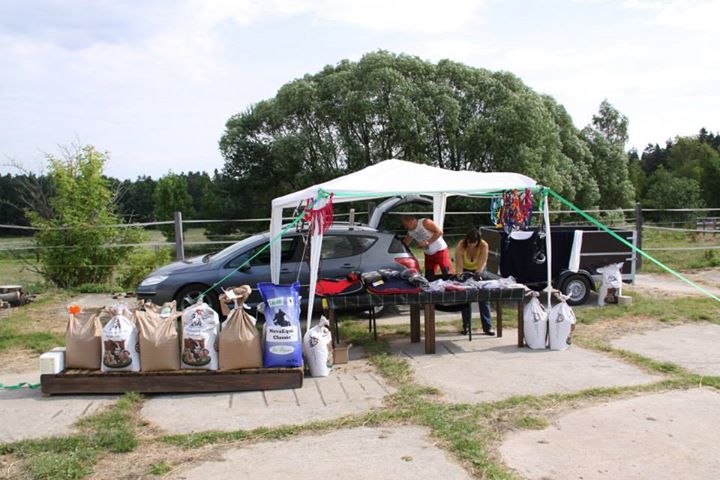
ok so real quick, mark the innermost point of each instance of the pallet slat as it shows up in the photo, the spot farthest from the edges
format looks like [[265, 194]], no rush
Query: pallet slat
[[179, 381]]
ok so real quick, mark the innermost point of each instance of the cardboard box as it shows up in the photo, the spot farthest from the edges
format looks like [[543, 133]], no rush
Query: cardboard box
[[341, 353], [624, 300]]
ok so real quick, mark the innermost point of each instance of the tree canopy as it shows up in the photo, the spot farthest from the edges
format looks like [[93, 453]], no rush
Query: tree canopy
[[353, 114]]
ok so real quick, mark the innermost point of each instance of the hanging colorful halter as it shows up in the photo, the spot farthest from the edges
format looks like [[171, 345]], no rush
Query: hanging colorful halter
[[513, 211]]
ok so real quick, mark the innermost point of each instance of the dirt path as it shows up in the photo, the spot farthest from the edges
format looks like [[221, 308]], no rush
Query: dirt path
[[662, 285]]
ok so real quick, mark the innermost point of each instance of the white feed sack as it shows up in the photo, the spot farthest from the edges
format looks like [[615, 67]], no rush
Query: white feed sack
[[561, 321], [535, 324], [120, 347], [317, 347], [200, 338], [611, 278]]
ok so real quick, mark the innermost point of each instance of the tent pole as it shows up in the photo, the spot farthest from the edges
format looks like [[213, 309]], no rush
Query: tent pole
[[548, 247], [439, 202], [275, 248]]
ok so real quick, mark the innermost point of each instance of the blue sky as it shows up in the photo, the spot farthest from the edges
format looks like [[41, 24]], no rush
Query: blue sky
[[153, 82]]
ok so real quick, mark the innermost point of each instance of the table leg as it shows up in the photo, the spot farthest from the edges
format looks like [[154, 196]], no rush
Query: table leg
[[521, 324], [429, 328], [415, 323], [498, 307], [334, 325]]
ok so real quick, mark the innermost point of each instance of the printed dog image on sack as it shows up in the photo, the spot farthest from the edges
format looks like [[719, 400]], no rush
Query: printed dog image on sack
[[317, 347], [120, 347], [82, 339], [535, 323], [200, 337], [282, 346], [157, 332], [240, 343], [561, 323]]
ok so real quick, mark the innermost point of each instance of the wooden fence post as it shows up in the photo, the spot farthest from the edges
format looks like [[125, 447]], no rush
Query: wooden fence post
[[179, 241], [638, 234]]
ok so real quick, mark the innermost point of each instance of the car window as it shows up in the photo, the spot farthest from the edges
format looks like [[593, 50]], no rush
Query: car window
[[336, 246], [363, 244], [287, 248], [396, 246]]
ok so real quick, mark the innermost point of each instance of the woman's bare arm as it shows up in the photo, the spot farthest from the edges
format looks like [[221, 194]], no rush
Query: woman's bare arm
[[483, 256]]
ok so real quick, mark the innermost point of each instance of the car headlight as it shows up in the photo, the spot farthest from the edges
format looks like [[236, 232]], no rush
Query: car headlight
[[149, 281]]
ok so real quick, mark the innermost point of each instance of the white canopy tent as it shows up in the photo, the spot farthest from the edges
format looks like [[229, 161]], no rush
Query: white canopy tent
[[390, 178]]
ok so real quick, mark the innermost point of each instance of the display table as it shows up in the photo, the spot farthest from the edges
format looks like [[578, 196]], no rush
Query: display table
[[428, 300], [71, 381]]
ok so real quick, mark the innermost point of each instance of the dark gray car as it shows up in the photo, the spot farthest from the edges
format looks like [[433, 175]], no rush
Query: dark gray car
[[345, 249]]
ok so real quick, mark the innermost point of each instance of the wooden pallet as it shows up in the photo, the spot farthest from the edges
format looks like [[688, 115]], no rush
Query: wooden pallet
[[73, 381]]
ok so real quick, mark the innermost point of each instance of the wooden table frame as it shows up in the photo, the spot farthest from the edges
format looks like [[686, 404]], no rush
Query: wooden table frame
[[429, 320], [73, 381]]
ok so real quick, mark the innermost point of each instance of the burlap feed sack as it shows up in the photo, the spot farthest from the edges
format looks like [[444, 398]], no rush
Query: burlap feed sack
[[240, 343], [82, 340], [159, 339]]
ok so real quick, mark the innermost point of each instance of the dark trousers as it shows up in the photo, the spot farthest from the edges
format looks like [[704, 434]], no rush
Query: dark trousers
[[485, 317]]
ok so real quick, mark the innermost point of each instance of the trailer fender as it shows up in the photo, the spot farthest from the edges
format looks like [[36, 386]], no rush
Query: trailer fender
[[567, 273]]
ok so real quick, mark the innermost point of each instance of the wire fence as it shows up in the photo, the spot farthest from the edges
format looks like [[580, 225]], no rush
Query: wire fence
[[695, 235]]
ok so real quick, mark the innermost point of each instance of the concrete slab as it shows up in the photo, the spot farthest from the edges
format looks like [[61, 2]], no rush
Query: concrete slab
[[26, 414], [400, 453], [660, 436], [693, 346], [350, 388], [490, 368]]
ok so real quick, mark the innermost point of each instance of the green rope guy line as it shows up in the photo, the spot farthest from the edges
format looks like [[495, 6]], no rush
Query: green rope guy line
[[31, 386], [321, 194], [633, 247]]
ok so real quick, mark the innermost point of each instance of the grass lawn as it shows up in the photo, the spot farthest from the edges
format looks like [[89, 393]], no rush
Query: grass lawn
[[471, 433]]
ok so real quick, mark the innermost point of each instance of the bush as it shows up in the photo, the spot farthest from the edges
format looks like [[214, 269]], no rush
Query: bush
[[78, 222], [139, 264]]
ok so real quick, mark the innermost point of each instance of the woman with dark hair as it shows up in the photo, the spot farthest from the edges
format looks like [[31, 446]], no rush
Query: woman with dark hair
[[471, 254]]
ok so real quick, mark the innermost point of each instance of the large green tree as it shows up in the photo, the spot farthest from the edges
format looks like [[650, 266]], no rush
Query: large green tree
[[606, 136], [171, 195], [136, 199], [666, 191], [353, 114], [691, 158]]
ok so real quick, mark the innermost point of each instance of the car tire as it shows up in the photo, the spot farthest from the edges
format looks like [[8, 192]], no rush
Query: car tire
[[578, 288], [186, 295]]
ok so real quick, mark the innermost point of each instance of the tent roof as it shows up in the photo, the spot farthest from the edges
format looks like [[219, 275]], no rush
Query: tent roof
[[399, 177]]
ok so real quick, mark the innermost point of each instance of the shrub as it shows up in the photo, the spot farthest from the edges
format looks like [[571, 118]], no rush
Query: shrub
[[139, 264], [77, 222]]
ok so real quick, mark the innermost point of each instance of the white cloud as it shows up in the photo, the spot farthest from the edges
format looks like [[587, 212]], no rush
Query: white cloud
[[694, 15], [154, 82]]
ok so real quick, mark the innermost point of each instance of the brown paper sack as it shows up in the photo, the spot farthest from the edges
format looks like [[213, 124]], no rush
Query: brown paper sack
[[82, 340], [159, 340], [240, 345]]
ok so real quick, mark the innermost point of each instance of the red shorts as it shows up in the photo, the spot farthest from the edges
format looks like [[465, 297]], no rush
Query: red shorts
[[439, 259]]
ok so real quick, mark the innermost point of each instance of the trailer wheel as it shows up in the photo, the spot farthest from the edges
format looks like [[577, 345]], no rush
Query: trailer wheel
[[577, 287]]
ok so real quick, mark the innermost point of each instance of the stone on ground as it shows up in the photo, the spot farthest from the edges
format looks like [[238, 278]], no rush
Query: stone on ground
[[351, 388], [490, 368], [692, 346], [361, 453], [26, 414], [661, 436]]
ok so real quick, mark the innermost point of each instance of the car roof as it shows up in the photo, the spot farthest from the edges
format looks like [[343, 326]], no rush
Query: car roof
[[344, 227]]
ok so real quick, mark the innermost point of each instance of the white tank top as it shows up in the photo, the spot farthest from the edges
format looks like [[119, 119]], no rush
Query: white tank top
[[420, 234]]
